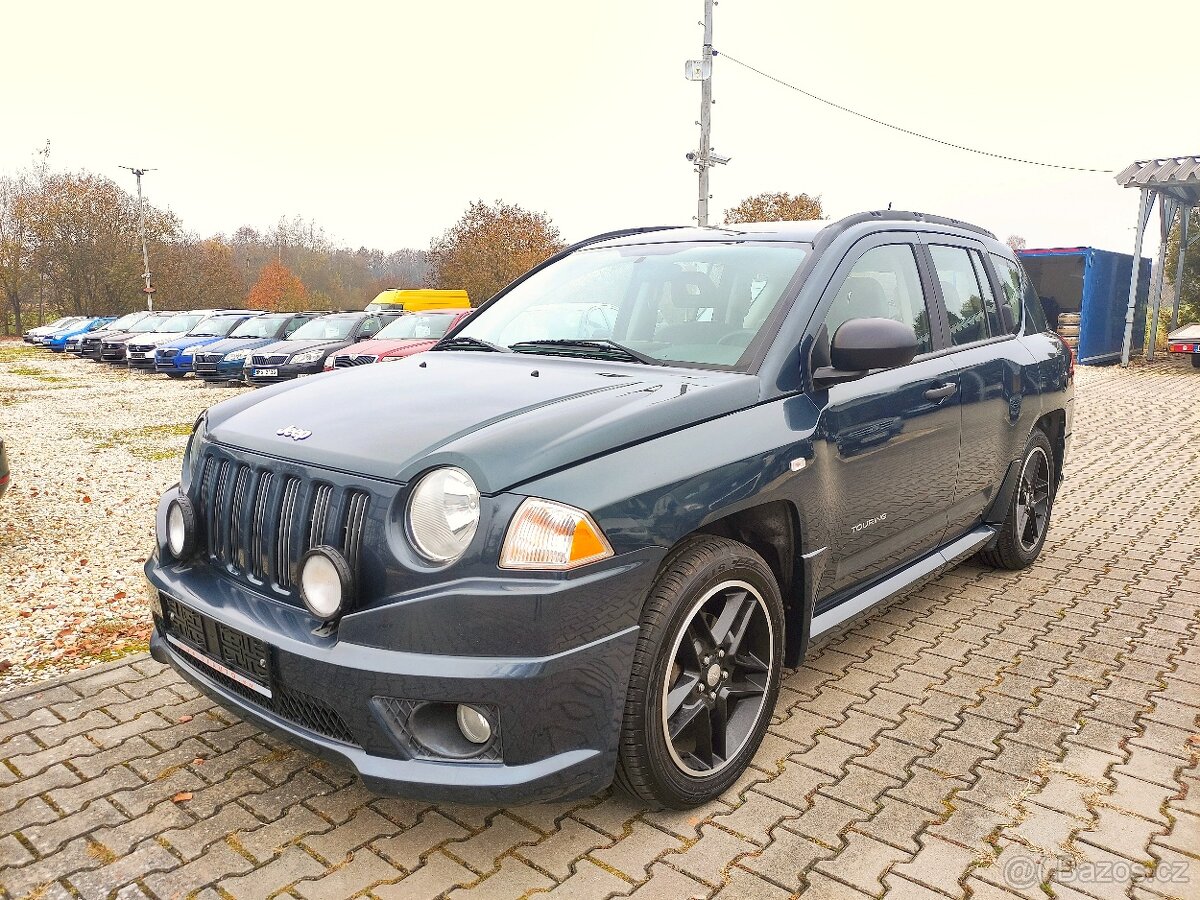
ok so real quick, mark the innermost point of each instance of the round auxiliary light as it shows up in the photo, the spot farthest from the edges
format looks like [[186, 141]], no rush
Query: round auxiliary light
[[473, 724], [443, 514], [181, 527], [326, 582]]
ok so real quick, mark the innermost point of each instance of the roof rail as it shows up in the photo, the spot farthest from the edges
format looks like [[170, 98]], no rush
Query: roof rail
[[894, 215]]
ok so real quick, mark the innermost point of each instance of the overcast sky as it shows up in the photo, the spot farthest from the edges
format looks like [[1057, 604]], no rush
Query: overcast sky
[[383, 121]]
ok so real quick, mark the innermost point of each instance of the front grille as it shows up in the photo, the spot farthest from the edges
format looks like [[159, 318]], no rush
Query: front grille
[[276, 359], [258, 522], [203, 366], [343, 362]]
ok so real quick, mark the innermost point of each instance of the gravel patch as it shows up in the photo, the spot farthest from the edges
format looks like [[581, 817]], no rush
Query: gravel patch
[[91, 447]]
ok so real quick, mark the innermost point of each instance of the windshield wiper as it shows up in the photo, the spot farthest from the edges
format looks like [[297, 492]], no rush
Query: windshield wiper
[[466, 342], [603, 348]]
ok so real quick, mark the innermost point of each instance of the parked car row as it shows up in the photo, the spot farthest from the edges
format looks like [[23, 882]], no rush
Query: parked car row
[[243, 346]]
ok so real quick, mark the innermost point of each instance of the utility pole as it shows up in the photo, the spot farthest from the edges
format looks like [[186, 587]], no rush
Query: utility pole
[[701, 70], [148, 289]]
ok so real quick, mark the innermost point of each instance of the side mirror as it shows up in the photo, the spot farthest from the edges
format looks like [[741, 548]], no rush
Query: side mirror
[[860, 345]]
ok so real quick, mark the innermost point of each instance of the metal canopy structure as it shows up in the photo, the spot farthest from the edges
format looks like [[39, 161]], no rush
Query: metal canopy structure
[[1175, 184]]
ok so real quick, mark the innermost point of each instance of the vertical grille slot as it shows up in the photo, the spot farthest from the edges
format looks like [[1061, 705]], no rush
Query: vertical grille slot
[[259, 526], [352, 532], [320, 515], [237, 542], [216, 523], [283, 538]]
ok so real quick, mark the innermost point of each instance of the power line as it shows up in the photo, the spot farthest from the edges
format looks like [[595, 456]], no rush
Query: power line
[[908, 131]]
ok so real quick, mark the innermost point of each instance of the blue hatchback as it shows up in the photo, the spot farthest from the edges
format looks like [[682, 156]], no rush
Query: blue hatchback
[[58, 340], [223, 361], [174, 358]]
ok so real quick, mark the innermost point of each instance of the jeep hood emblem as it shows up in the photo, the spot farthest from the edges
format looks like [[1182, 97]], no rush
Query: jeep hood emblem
[[296, 434]]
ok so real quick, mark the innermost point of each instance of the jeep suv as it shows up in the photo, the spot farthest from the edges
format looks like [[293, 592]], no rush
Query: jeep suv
[[559, 549]]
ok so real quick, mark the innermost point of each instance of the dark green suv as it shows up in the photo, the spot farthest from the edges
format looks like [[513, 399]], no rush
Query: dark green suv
[[582, 536]]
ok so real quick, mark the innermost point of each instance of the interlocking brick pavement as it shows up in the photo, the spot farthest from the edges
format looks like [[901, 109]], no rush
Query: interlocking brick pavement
[[991, 734]]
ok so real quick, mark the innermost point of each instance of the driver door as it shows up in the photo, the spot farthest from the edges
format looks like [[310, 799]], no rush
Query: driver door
[[887, 445]]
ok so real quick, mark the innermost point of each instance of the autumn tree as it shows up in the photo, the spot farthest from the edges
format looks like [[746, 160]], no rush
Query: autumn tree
[[195, 273], [490, 246], [1016, 242], [277, 288], [777, 206]]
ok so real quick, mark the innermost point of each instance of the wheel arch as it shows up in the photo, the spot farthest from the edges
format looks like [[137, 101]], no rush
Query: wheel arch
[[1054, 425], [772, 530]]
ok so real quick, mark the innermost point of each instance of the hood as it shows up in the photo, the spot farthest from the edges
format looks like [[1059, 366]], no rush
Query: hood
[[114, 337], [154, 338], [290, 347], [190, 341], [397, 347], [228, 345], [503, 418]]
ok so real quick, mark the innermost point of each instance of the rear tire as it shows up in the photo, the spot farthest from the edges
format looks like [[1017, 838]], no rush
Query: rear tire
[[1024, 530], [705, 674], [1196, 360]]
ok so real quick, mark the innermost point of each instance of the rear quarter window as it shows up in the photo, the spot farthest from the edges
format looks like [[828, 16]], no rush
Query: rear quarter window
[[1012, 287]]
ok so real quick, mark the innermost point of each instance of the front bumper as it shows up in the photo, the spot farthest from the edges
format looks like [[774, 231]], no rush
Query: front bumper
[[177, 365], [140, 359], [559, 715], [219, 372], [284, 372]]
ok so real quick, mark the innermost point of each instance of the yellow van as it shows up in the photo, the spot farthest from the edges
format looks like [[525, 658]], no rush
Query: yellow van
[[419, 301]]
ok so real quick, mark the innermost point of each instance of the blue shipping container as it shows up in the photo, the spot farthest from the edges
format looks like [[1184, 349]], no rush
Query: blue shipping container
[[1095, 284]]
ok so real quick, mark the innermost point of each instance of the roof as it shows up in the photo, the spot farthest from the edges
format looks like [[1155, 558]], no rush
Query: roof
[[1178, 177], [801, 232]]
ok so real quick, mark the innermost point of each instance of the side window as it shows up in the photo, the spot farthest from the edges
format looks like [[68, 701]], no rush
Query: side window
[[1011, 287], [961, 293], [292, 326], [989, 297], [884, 283], [368, 328]]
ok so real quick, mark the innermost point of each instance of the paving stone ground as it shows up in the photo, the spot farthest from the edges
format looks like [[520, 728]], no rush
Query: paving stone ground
[[990, 735]]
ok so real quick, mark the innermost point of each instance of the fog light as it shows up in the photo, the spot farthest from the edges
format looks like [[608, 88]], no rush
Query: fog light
[[326, 582], [474, 724], [181, 527]]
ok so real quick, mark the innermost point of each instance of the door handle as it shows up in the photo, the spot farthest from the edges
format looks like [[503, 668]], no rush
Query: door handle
[[938, 393]]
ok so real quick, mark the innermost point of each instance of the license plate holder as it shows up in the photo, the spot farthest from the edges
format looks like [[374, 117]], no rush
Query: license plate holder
[[238, 656], [266, 373]]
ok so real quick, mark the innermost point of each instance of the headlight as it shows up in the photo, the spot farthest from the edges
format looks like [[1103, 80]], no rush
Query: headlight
[[192, 453], [548, 535], [443, 514], [307, 356], [181, 527], [326, 582], [391, 358], [237, 355]]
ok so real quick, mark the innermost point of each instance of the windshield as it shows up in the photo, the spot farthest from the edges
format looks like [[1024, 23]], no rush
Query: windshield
[[180, 324], [417, 327], [217, 326], [327, 328], [687, 303], [259, 327], [150, 323], [123, 322]]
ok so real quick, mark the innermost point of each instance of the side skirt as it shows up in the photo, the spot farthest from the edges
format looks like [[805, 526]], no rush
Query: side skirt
[[922, 570]]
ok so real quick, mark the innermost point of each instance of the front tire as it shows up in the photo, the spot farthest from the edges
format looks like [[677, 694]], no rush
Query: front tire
[[705, 674], [1196, 360], [1024, 530]]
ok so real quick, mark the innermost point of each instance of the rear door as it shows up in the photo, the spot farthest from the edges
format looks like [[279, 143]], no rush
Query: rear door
[[887, 443], [985, 361]]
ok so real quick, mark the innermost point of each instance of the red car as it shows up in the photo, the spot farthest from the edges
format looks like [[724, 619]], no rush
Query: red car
[[405, 336]]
